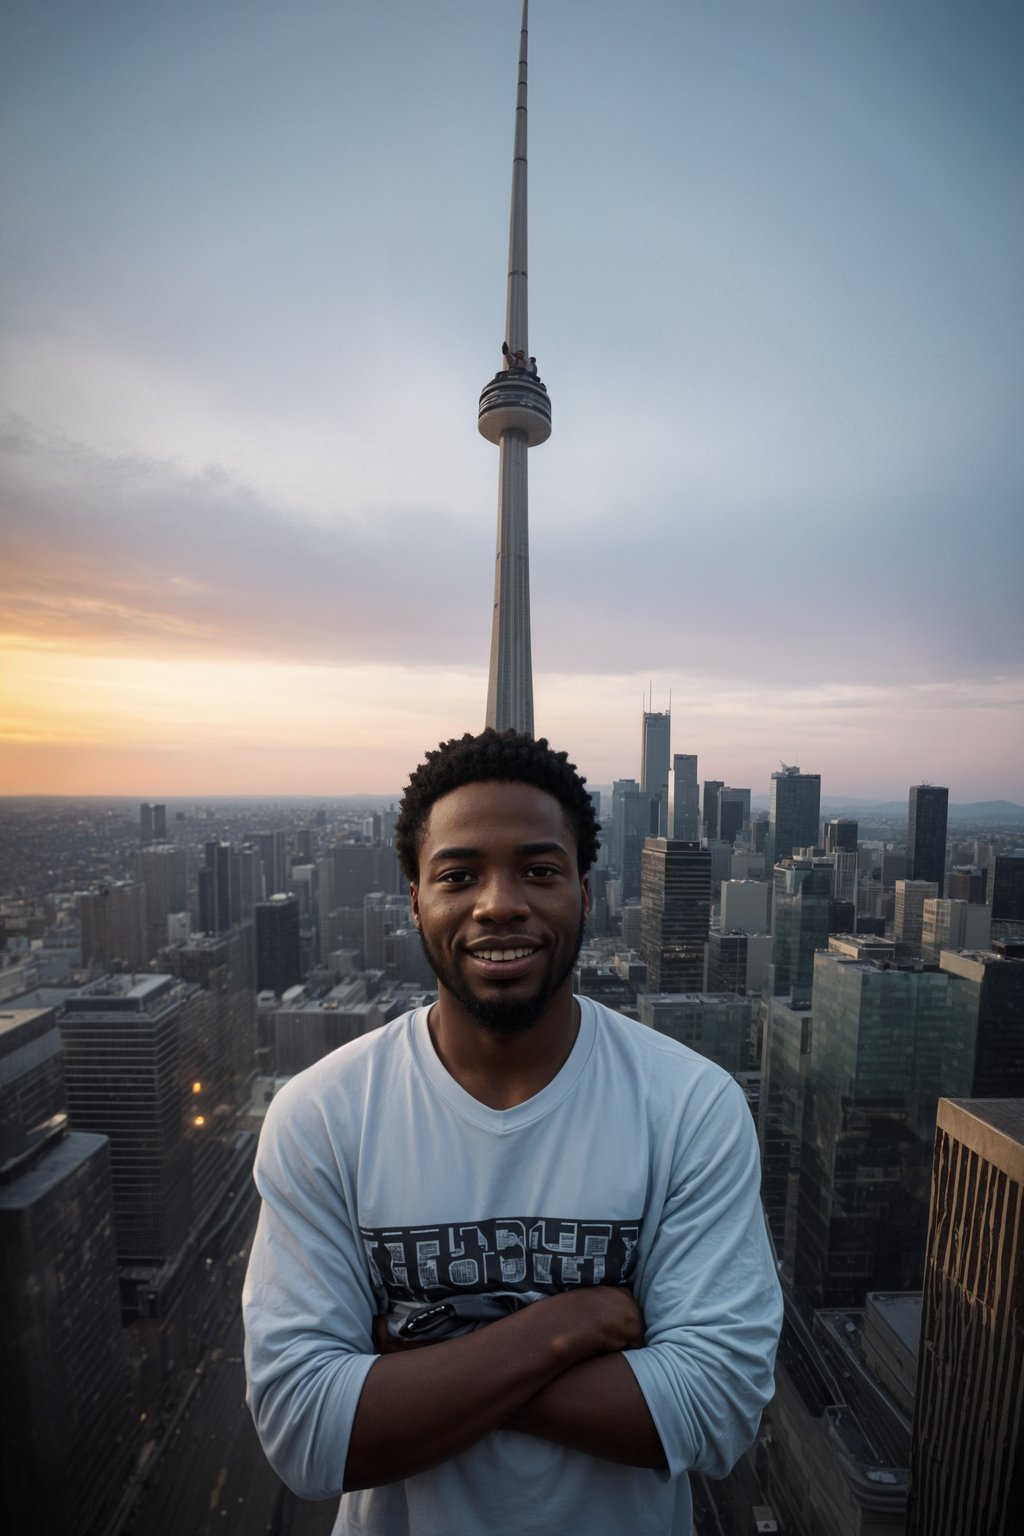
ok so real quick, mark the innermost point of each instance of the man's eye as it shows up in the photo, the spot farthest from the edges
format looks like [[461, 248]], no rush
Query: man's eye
[[455, 877], [541, 872]]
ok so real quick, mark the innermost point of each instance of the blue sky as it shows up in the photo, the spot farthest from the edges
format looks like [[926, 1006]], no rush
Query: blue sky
[[253, 266]]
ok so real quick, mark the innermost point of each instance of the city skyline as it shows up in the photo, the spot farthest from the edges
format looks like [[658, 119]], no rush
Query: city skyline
[[252, 275]]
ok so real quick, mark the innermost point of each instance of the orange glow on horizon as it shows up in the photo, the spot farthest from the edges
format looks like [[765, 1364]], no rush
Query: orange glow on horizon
[[150, 728]]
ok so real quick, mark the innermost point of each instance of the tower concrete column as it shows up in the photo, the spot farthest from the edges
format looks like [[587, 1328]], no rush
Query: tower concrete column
[[515, 414]]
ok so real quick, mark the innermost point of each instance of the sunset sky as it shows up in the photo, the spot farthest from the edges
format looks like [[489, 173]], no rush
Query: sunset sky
[[253, 265]]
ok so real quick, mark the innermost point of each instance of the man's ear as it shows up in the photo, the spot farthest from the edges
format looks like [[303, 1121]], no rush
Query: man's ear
[[585, 891], [414, 898]]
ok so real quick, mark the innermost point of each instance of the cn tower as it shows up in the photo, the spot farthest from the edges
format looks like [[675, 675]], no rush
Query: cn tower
[[515, 413]]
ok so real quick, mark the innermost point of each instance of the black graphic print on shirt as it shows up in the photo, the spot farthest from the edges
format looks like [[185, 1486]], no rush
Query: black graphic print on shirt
[[522, 1253]]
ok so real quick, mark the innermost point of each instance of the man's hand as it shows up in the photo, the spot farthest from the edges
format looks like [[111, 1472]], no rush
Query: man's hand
[[599, 1318], [417, 1409]]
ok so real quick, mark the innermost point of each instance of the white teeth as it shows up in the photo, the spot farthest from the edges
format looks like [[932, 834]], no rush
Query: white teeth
[[503, 954]]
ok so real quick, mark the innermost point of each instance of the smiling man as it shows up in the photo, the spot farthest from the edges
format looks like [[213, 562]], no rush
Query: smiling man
[[511, 1272]]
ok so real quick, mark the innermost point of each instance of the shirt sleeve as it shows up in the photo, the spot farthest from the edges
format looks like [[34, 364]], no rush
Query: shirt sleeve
[[710, 1295], [307, 1304]]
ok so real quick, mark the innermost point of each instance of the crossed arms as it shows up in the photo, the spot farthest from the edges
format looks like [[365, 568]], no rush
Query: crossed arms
[[553, 1369], [681, 1387]]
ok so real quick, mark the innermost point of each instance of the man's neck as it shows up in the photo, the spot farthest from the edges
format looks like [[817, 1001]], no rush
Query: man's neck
[[503, 1070]]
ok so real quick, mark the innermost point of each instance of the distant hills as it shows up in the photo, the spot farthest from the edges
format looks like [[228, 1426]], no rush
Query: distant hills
[[987, 812]]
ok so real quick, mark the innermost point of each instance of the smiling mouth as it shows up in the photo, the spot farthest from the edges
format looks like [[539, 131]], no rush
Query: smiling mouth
[[502, 954]]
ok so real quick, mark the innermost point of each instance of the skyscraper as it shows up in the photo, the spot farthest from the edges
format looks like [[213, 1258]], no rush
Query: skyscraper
[[926, 833], [908, 913], [675, 912], [1006, 885], [65, 1431], [841, 835], [629, 829], [989, 998], [684, 799], [967, 1459], [219, 888], [948, 924], [886, 1041], [273, 848], [654, 760], [125, 1068], [801, 907], [163, 870], [515, 414], [113, 919], [709, 806], [278, 964], [733, 813], [795, 811]]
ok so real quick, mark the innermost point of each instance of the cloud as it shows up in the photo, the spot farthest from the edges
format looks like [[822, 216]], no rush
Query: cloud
[[109, 553]]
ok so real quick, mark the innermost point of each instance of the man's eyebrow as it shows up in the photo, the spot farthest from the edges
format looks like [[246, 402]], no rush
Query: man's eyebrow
[[529, 850]]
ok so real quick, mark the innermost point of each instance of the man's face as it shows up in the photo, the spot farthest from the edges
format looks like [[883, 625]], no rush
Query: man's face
[[500, 903]]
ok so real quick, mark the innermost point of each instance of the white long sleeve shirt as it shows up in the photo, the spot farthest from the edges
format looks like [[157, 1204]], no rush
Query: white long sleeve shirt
[[384, 1182]]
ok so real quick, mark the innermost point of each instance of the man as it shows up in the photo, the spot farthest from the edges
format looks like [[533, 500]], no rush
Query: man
[[511, 1273]]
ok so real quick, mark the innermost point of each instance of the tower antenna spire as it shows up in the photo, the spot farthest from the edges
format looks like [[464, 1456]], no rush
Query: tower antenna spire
[[515, 414], [517, 319]]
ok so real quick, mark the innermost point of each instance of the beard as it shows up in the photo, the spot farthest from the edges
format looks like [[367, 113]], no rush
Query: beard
[[496, 1016]]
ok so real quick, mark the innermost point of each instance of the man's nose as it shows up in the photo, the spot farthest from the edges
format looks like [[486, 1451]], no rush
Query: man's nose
[[500, 896]]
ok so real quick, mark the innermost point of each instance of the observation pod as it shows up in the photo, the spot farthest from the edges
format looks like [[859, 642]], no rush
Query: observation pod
[[515, 401]]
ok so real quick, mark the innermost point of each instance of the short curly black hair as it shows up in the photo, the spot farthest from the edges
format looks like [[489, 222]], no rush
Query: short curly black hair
[[504, 755]]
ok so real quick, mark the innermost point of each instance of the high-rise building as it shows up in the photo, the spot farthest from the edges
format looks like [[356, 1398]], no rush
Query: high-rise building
[[967, 1457], [146, 822], [785, 1065], [278, 963], [126, 1064], [845, 876], [715, 1027], [515, 414], [727, 962], [709, 807], [988, 998], [745, 906], [841, 835], [886, 1042], [65, 1431], [163, 870], [224, 965], [159, 822], [1006, 884], [801, 913], [795, 811], [908, 914], [654, 760], [967, 883], [675, 913], [113, 922], [926, 833], [220, 895], [630, 823], [31, 1070], [383, 914], [733, 813], [948, 924], [250, 880], [273, 848], [684, 799]]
